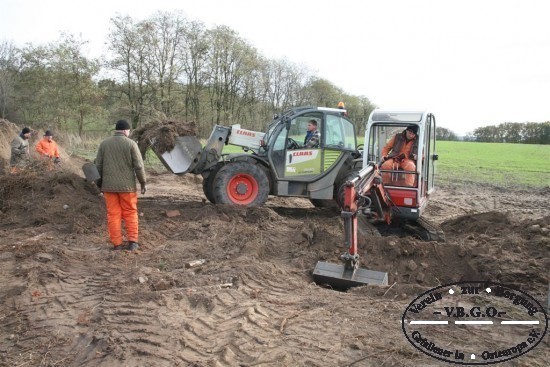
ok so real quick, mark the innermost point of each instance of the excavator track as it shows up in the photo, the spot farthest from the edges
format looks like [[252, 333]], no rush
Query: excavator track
[[425, 230], [366, 228]]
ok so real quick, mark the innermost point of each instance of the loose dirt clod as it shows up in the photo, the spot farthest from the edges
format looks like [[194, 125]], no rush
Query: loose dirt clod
[[163, 134]]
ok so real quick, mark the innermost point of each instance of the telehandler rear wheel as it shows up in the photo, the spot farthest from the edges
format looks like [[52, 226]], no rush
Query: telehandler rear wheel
[[241, 183]]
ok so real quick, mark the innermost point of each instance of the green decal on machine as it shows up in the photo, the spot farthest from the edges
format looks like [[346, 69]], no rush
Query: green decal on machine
[[303, 162], [331, 156]]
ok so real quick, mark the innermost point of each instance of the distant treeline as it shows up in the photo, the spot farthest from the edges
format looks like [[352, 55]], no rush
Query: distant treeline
[[508, 132], [166, 66], [514, 132]]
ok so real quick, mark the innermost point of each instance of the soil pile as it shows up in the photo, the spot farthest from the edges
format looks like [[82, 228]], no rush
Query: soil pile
[[162, 135], [8, 131], [36, 197]]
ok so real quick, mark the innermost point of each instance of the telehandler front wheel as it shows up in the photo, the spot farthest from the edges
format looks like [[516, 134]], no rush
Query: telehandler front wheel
[[208, 183], [241, 183]]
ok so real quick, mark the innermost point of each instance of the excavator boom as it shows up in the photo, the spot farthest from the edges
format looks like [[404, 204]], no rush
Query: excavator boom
[[364, 192]]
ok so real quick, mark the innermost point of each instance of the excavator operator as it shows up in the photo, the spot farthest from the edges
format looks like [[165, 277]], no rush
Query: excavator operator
[[399, 154]]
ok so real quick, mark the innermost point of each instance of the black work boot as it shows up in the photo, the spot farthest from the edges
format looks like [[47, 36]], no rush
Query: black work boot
[[120, 247], [132, 246]]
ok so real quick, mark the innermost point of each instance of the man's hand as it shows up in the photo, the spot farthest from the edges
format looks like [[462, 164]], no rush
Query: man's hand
[[143, 189]]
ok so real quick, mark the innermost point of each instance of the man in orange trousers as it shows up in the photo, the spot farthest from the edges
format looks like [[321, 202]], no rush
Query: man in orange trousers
[[400, 152], [119, 164]]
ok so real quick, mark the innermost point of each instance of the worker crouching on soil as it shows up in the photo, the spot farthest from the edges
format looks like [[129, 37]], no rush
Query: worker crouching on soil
[[20, 151], [47, 148], [119, 163], [398, 154]]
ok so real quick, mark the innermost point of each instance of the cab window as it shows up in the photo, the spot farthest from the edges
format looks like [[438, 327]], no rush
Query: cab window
[[339, 133]]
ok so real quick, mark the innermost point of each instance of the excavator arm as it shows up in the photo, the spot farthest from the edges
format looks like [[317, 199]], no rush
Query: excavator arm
[[365, 193]]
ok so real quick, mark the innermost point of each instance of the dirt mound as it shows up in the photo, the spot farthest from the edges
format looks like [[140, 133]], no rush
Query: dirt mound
[[37, 197], [163, 133], [8, 131], [502, 249]]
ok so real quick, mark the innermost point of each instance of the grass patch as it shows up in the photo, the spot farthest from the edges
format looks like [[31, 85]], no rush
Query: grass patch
[[498, 164]]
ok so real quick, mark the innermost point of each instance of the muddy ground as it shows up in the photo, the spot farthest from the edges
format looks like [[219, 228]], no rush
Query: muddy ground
[[67, 299]]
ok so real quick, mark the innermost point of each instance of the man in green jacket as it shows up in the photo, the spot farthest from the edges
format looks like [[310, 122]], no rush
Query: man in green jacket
[[20, 150], [119, 163]]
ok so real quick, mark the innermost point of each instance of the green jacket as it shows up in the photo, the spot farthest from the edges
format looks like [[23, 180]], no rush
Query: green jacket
[[119, 162], [19, 151]]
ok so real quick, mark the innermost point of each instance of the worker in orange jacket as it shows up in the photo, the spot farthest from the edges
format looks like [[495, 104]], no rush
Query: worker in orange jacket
[[399, 153], [47, 148]]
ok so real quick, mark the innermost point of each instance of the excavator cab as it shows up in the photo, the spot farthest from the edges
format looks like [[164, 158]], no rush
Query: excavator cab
[[407, 165]]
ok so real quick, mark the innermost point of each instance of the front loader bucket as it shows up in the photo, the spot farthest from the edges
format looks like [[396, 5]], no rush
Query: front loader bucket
[[338, 277], [184, 157]]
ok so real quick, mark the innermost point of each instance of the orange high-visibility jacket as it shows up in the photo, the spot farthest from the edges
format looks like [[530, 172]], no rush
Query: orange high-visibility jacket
[[47, 148], [398, 144]]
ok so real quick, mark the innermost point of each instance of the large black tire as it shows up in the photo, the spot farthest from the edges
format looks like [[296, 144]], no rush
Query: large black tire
[[340, 187], [208, 183], [241, 183]]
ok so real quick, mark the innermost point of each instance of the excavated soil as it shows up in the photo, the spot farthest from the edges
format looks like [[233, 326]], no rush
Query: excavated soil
[[163, 134], [67, 299]]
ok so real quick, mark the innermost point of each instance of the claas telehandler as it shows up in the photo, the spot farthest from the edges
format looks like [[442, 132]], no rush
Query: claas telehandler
[[336, 172]]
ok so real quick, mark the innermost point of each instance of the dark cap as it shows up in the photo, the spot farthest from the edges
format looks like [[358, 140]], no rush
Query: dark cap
[[25, 130], [122, 125], [48, 133], [413, 128]]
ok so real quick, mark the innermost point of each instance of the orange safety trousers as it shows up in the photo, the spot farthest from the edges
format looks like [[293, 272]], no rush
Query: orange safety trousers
[[405, 164], [122, 206]]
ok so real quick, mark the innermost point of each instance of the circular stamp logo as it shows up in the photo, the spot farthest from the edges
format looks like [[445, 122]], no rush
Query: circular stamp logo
[[474, 323]]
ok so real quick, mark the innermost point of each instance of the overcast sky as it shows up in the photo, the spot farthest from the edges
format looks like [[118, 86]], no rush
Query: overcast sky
[[471, 62]]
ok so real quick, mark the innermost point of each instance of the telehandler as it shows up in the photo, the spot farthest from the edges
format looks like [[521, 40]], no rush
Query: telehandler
[[337, 171]]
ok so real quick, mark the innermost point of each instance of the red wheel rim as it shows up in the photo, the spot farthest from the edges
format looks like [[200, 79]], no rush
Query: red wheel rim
[[242, 189]]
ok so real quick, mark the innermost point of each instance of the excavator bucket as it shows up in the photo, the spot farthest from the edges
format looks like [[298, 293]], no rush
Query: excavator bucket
[[184, 157], [339, 277]]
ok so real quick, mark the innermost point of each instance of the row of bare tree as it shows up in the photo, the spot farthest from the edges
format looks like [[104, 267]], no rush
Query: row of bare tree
[[166, 66], [513, 132]]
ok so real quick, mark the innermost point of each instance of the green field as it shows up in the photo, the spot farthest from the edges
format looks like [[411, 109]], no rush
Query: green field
[[506, 165]]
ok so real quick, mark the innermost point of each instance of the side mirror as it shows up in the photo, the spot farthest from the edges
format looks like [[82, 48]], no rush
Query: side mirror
[[435, 157]]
